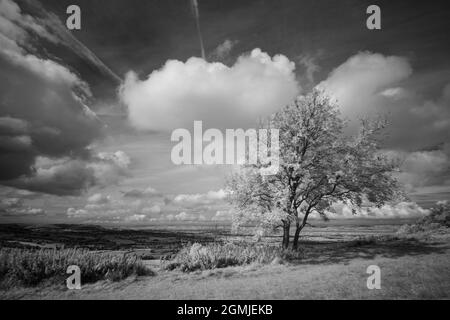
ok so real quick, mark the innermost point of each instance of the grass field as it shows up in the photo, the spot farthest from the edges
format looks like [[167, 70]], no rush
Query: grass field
[[332, 265]]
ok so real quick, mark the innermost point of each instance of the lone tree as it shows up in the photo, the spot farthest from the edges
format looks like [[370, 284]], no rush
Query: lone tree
[[319, 166]]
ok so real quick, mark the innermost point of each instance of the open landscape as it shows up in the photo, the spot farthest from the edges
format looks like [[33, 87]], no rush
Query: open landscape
[[330, 264], [222, 150]]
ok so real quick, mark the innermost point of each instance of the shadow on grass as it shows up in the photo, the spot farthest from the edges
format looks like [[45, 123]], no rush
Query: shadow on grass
[[332, 252]]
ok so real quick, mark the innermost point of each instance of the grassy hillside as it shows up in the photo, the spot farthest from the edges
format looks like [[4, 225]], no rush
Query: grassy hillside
[[409, 270]]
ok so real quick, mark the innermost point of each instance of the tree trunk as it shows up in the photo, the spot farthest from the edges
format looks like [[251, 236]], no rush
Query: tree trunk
[[286, 235], [300, 228], [297, 236]]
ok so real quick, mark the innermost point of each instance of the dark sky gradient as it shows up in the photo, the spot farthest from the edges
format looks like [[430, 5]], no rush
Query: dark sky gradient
[[142, 35]]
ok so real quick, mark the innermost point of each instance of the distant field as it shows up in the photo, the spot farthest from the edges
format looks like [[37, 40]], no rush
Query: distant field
[[157, 242], [154, 242]]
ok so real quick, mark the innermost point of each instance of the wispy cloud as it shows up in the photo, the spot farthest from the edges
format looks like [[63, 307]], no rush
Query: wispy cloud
[[48, 25]]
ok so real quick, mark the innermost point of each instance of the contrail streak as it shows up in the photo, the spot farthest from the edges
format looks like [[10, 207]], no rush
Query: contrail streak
[[81, 49], [194, 4], [54, 24]]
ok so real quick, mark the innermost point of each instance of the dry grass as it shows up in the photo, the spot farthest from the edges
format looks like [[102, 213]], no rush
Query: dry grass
[[31, 267], [215, 256], [437, 222], [422, 276]]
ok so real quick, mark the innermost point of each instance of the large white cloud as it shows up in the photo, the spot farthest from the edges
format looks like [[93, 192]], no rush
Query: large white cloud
[[221, 96], [371, 84], [355, 84]]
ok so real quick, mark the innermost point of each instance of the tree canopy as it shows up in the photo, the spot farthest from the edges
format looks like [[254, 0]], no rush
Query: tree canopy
[[319, 165]]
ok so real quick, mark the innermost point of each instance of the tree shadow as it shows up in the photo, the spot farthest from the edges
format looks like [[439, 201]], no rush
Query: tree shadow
[[344, 252]]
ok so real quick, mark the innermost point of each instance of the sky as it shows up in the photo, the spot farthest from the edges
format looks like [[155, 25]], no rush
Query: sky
[[86, 115]]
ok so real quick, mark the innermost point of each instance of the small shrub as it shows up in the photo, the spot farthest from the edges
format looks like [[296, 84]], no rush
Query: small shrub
[[438, 219], [30, 267], [213, 256], [407, 229]]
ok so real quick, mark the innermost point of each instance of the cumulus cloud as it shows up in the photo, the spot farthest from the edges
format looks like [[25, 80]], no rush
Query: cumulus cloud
[[156, 209], [183, 216], [103, 208], [16, 24], [181, 92], [223, 215], [109, 168], [356, 83], [34, 211], [436, 112], [98, 198], [15, 127], [370, 84], [67, 176], [395, 93], [76, 213], [200, 198], [400, 210], [137, 193], [9, 203], [45, 134], [425, 168], [223, 50], [136, 218], [62, 177], [50, 121], [16, 207], [46, 121]]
